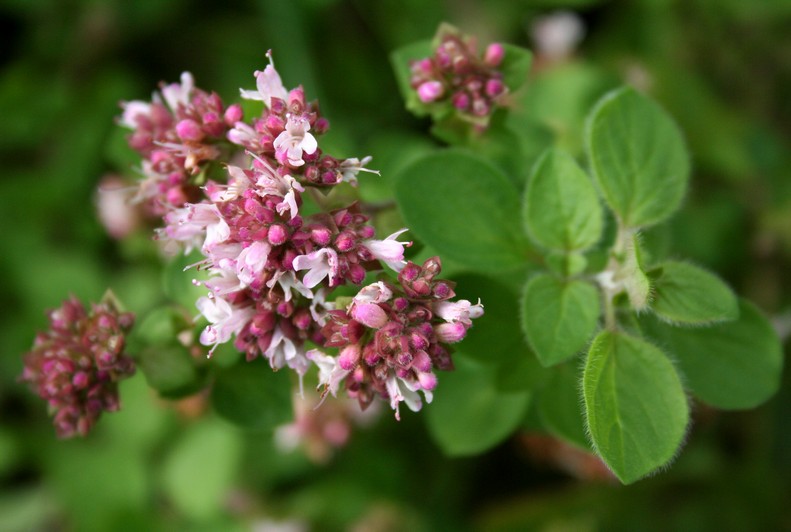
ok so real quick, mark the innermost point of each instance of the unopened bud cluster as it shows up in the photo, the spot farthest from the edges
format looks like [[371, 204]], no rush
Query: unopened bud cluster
[[75, 366], [456, 73]]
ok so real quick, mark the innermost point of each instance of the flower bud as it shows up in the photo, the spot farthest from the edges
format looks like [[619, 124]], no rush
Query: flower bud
[[349, 357], [369, 314], [430, 91], [494, 54]]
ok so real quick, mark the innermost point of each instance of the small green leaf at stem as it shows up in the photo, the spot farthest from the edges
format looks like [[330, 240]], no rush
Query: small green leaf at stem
[[561, 209], [559, 317], [636, 409]]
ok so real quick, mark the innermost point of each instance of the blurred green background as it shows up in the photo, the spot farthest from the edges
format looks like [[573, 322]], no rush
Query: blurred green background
[[722, 68]]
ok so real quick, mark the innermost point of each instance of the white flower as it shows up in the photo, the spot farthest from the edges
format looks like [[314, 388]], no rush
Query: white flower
[[377, 292], [268, 84], [196, 222], [289, 281], [131, 111], [243, 135], [294, 140], [251, 262], [458, 311], [390, 251], [330, 373], [176, 93], [320, 264], [353, 166], [225, 320], [400, 390]]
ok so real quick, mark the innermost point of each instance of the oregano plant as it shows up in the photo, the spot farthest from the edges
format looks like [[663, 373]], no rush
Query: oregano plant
[[624, 342], [588, 332]]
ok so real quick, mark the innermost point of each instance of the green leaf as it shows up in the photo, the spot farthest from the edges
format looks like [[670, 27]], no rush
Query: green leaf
[[200, 469], [561, 209], [638, 157], [559, 317], [468, 415], [252, 395], [635, 405], [400, 60], [171, 370], [733, 365], [687, 294], [464, 208], [515, 66], [177, 282], [560, 408], [495, 337]]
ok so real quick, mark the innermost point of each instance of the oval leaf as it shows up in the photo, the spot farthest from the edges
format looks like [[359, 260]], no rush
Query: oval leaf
[[561, 209], [559, 406], [732, 365], [468, 415], [464, 208], [687, 294], [252, 395], [636, 409], [638, 157], [559, 317]]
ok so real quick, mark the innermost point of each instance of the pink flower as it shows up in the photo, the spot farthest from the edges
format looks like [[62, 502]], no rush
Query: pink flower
[[295, 140], [320, 264], [377, 292], [251, 262], [400, 390], [390, 251], [196, 222]]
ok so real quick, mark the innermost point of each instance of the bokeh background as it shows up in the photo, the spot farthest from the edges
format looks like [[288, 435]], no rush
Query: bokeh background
[[722, 68]]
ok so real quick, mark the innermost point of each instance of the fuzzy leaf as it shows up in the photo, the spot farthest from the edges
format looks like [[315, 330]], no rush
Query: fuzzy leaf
[[732, 365], [252, 395], [515, 66], [687, 294], [561, 209], [464, 208], [400, 59], [638, 157], [560, 408], [468, 415], [559, 317], [636, 409]]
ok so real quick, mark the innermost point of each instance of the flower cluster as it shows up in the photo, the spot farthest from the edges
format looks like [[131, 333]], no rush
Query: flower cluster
[[76, 365], [177, 137], [391, 338], [270, 267], [456, 73]]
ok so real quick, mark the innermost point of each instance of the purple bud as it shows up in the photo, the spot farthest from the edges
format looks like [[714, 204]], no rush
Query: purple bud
[[320, 235], [450, 333], [189, 130], [430, 91], [400, 304], [428, 381], [233, 115], [494, 87], [277, 234], [322, 125], [461, 101], [80, 380], [494, 54], [421, 361], [345, 241], [369, 314], [356, 273], [349, 357]]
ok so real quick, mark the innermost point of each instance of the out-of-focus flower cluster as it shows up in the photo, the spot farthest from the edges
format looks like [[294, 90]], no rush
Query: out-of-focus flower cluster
[[456, 73], [271, 268], [76, 365]]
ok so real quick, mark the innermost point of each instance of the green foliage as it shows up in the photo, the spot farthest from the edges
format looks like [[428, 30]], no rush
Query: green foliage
[[561, 208], [684, 293], [638, 157], [732, 365], [463, 207], [560, 406], [559, 317], [470, 415], [635, 405], [251, 395]]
